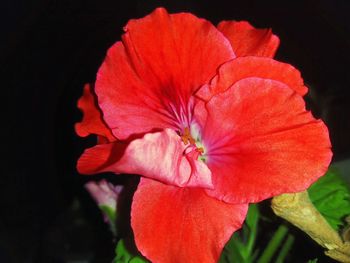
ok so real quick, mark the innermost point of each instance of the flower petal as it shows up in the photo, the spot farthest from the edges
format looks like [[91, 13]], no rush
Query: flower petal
[[92, 122], [261, 142], [104, 193], [245, 67], [100, 158], [173, 224], [159, 155], [249, 41], [146, 81]]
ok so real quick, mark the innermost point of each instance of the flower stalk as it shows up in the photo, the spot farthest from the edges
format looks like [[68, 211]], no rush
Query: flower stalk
[[298, 209]]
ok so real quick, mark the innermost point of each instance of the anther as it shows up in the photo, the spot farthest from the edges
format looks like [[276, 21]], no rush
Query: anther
[[200, 150], [187, 137]]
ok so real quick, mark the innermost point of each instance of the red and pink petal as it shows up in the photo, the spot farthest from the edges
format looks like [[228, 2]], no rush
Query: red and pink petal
[[173, 224], [161, 156]]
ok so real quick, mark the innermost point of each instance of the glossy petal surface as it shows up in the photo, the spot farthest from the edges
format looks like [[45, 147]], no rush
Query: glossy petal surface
[[173, 224], [245, 67], [249, 41], [262, 142], [147, 79], [160, 156], [92, 122]]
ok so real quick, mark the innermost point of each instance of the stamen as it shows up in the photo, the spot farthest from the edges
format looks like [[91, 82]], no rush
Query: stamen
[[195, 151], [187, 137]]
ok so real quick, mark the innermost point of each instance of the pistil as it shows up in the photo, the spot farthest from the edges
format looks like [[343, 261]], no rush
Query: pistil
[[187, 138]]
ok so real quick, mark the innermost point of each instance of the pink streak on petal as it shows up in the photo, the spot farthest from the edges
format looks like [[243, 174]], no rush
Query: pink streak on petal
[[162, 156], [159, 155]]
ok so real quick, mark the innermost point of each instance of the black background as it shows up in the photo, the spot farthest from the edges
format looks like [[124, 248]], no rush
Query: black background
[[49, 49]]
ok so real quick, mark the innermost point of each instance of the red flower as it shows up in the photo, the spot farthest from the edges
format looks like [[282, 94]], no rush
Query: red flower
[[209, 121]]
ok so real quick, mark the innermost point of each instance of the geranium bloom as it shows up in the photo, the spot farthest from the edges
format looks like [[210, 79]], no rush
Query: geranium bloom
[[209, 120]]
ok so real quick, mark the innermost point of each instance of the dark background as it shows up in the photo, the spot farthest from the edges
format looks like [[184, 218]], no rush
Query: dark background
[[49, 49]]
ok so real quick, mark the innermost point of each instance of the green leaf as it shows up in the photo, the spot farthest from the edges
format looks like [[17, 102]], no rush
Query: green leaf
[[240, 248], [123, 255], [313, 260], [331, 196]]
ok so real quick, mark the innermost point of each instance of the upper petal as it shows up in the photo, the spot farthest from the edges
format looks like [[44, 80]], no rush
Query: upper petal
[[262, 142], [159, 155], [247, 40], [146, 81], [173, 224], [92, 122], [245, 67]]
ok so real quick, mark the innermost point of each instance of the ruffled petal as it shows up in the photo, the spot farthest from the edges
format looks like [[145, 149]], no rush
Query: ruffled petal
[[173, 224], [92, 122], [261, 142], [247, 40], [245, 67], [161, 156], [146, 81]]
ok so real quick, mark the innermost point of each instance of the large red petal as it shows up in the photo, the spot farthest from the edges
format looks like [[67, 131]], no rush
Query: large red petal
[[173, 224], [146, 81], [92, 122], [245, 67], [261, 142], [161, 156], [249, 41]]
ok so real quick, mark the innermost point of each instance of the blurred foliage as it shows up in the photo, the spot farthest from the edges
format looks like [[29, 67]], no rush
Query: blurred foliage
[[240, 248], [331, 196], [123, 255]]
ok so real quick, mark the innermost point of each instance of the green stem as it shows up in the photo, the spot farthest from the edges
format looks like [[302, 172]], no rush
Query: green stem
[[285, 249], [273, 245], [251, 241]]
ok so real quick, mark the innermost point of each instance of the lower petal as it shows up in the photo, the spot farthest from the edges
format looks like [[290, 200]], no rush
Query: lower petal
[[173, 224]]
